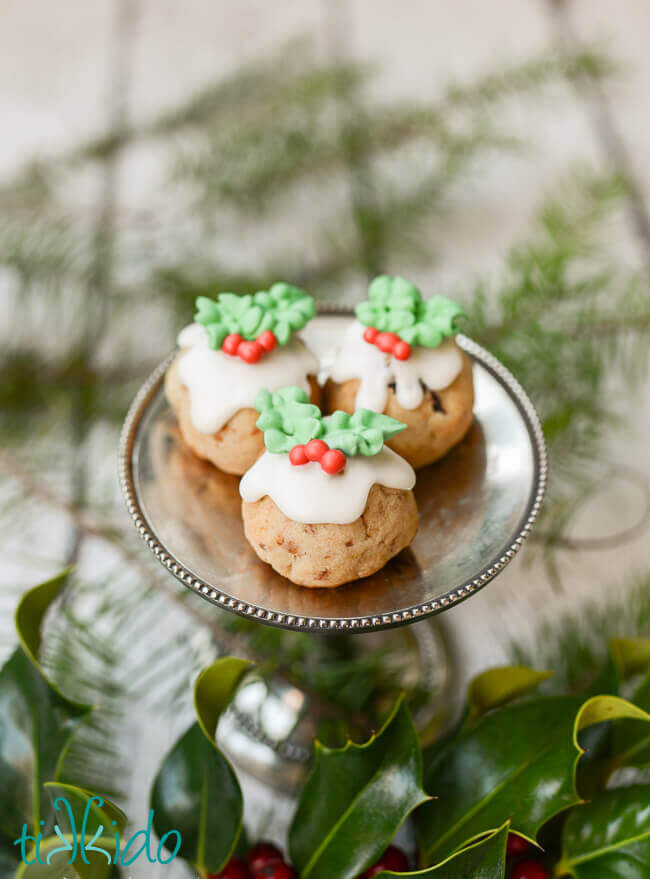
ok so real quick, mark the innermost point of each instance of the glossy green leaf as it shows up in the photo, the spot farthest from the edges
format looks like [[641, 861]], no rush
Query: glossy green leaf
[[196, 791], [482, 860], [355, 800], [517, 763], [609, 838], [497, 686], [37, 721]]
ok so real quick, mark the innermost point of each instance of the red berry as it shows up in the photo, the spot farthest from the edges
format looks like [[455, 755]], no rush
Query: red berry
[[275, 870], [529, 870], [517, 845], [297, 456], [402, 350], [386, 342], [315, 449], [333, 461], [267, 340], [370, 334], [392, 859], [251, 352], [234, 869], [263, 853], [231, 343]]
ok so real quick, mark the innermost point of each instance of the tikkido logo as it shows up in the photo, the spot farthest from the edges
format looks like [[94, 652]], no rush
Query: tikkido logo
[[79, 841]]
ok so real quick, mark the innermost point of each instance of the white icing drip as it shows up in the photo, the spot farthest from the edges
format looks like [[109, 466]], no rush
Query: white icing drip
[[307, 494], [220, 385], [436, 367]]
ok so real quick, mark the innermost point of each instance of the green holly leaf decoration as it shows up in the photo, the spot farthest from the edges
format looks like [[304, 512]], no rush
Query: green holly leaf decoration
[[363, 433], [482, 860], [609, 837], [395, 305], [196, 791], [288, 419], [355, 800], [283, 309]]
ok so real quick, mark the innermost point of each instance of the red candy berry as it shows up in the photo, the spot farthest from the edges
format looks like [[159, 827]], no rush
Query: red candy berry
[[333, 461], [386, 342], [263, 854], [298, 457], [267, 340], [529, 870], [251, 352], [234, 869], [370, 334], [402, 350], [275, 870], [392, 859], [315, 449], [231, 343], [517, 845]]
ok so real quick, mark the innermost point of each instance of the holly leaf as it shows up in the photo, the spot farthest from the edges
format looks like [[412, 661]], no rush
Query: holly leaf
[[362, 433], [498, 686], [287, 418], [631, 738], [632, 655], [283, 309], [207, 311], [396, 305], [196, 791], [481, 860], [485, 783], [37, 721], [609, 838], [355, 799], [78, 813]]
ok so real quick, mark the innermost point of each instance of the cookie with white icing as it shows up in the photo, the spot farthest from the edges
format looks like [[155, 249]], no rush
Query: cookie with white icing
[[327, 502], [400, 357], [237, 345]]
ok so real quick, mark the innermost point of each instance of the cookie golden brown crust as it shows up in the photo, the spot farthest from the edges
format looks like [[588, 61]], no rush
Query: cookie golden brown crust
[[440, 421], [239, 443], [327, 555]]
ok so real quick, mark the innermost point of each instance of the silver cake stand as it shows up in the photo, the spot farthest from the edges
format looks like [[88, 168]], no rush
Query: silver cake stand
[[477, 507]]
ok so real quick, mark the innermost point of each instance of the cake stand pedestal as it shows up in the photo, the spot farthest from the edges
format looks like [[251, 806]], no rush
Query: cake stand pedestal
[[477, 507]]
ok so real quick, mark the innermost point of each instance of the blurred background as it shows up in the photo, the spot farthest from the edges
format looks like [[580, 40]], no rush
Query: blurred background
[[155, 151]]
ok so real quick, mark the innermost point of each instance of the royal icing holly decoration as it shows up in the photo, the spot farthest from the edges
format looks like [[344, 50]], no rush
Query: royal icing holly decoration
[[293, 425], [396, 317], [250, 326]]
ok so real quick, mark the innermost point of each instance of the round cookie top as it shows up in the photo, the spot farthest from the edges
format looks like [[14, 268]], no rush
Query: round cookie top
[[251, 325], [397, 317], [321, 468]]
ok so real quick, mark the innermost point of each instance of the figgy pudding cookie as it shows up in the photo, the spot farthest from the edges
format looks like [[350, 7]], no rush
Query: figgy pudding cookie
[[399, 357], [327, 502], [236, 345]]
